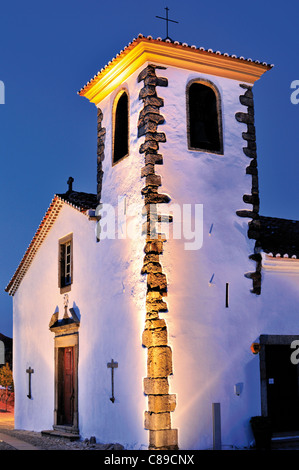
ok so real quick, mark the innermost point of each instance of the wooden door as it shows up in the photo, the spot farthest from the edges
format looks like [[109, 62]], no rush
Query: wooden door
[[66, 386]]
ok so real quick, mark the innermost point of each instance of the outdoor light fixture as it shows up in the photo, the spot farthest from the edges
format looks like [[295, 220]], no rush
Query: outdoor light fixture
[[238, 388], [255, 348]]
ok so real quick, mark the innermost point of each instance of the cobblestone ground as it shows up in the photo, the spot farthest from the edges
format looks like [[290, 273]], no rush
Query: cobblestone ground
[[53, 443], [43, 442], [4, 446]]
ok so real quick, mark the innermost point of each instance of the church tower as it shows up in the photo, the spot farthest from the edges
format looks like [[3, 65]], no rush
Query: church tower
[[176, 136]]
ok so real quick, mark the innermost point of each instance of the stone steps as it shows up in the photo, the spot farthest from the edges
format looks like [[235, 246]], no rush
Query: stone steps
[[61, 434], [285, 442]]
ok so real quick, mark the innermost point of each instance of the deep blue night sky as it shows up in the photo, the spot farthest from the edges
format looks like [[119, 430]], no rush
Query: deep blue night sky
[[49, 50]]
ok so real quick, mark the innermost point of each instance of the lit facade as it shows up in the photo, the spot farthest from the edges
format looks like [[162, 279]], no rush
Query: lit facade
[[177, 313]]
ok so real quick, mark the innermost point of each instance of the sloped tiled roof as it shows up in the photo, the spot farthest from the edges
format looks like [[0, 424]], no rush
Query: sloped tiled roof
[[79, 201], [279, 236], [177, 44]]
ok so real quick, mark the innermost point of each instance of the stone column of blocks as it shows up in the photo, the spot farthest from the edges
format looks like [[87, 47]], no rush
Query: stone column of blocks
[[155, 335], [100, 153], [250, 151]]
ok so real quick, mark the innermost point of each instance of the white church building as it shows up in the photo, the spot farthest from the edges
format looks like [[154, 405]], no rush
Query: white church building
[[161, 312]]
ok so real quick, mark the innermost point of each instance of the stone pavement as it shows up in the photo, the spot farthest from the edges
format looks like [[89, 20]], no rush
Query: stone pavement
[[15, 444], [7, 423], [17, 439], [11, 439], [8, 441], [6, 418]]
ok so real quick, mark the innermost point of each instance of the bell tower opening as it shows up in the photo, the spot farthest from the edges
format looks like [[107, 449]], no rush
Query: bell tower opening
[[204, 118], [121, 127]]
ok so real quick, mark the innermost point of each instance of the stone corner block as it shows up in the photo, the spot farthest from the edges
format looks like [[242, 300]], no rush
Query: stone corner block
[[156, 421], [155, 386], [161, 403], [159, 363], [154, 337], [163, 438]]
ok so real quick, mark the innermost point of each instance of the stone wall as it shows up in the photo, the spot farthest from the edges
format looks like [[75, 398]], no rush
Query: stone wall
[[155, 335], [250, 151], [100, 153]]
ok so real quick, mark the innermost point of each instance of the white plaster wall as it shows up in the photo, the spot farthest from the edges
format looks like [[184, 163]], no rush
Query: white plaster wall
[[211, 343], [122, 289], [109, 329], [37, 298], [203, 333], [108, 293], [112, 332]]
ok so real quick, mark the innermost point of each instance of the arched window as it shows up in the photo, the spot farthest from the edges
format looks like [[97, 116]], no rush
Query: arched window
[[120, 127], [204, 117]]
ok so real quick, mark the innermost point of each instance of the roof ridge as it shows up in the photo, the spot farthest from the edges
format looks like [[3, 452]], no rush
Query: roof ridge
[[278, 236], [174, 42], [40, 235], [79, 200]]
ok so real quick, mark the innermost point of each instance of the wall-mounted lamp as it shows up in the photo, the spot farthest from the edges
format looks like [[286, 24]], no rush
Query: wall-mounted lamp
[[238, 388], [255, 348]]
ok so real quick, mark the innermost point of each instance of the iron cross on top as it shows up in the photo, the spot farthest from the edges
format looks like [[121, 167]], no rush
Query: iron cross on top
[[167, 21]]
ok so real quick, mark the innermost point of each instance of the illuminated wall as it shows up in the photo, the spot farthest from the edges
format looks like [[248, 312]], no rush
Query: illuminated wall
[[212, 317], [209, 340], [110, 328]]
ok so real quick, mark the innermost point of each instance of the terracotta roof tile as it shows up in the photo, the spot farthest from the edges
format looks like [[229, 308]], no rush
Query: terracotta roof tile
[[279, 236], [80, 201], [176, 44]]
